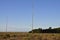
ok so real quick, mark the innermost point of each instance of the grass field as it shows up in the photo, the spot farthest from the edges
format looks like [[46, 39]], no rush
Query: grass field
[[29, 36]]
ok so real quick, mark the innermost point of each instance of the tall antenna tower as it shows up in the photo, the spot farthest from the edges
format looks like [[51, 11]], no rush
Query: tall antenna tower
[[6, 23], [32, 15]]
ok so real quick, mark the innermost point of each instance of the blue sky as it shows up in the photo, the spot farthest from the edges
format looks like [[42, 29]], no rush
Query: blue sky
[[19, 12]]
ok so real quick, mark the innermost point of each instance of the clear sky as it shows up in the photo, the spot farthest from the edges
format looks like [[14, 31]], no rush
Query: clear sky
[[19, 12]]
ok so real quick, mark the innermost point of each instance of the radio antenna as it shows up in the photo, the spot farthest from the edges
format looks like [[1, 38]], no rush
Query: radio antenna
[[6, 23], [32, 15]]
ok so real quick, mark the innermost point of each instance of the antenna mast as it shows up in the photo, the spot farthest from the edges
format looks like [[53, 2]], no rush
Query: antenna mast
[[6, 23], [32, 15]]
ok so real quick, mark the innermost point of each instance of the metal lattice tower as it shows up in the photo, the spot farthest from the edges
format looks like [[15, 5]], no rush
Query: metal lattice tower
[[6, 23], [32, 15]]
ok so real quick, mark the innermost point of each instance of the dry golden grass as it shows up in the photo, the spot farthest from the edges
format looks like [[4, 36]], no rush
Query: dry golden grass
[[28, 36]]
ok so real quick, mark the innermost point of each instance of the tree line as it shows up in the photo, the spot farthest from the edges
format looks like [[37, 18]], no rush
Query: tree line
[[49, 30]]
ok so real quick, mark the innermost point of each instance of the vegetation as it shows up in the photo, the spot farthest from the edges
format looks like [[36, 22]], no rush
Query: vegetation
[[49, 30], [29, 36], [38, 34]]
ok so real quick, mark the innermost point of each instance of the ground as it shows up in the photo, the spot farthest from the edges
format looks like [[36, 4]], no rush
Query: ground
[[29, 36]]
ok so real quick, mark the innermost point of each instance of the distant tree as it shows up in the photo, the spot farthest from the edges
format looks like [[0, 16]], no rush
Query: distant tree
[[36, 30], [50, 27], [49, 30]]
